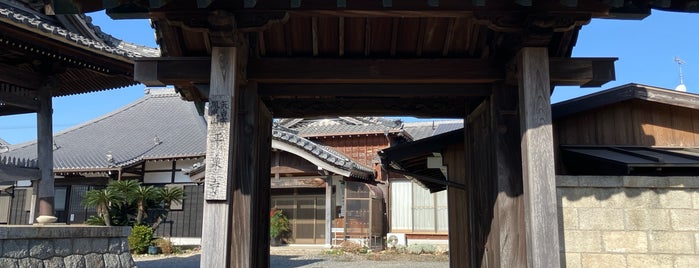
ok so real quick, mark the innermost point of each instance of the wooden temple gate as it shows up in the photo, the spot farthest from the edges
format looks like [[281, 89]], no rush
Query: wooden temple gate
[[493, 63]]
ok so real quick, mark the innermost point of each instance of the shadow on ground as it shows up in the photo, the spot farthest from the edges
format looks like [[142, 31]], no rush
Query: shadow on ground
[[171, 262], [193, 262], [290, 261]]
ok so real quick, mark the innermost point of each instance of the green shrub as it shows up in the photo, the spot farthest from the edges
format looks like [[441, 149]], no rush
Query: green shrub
[[140, 238], [278, 224], [95, 220]]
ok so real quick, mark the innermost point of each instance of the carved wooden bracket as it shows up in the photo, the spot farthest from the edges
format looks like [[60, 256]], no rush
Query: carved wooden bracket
[[535, 29]]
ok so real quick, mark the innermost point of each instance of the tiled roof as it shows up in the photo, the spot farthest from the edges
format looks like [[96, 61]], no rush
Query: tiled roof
[[325, 153], [321, 152], [421, 130], [159, 125], [340, 126], [76, 29]]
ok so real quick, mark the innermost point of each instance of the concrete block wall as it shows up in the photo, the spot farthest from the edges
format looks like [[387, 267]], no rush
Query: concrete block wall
[[50, 246], [628, 221]]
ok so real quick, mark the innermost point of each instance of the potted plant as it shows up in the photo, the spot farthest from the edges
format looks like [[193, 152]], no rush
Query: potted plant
[[278, 227]]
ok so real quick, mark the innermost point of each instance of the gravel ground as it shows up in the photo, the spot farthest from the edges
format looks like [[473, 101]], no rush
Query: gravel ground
[[291, 256]]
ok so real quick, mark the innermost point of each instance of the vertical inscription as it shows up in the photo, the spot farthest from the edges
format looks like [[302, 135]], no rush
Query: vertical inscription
[[217, 145]]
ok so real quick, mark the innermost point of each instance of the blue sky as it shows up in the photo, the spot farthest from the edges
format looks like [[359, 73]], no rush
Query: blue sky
[[645, 49]]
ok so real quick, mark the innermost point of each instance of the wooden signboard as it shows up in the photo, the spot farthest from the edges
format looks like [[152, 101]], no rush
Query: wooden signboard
[[217, 145]]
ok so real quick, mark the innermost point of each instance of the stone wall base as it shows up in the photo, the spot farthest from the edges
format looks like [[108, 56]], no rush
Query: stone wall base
[[77, 246]]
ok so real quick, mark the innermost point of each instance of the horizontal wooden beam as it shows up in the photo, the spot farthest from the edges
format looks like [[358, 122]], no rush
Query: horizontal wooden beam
[[23, 102], [584, 72], [391, 72], [298, 182], [373, 90], [26, 79], [172, 70], [373, 71], [13, 173], [443, 107]]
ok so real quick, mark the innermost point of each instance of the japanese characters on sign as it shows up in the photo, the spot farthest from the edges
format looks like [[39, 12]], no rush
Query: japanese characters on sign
[[217, 147]]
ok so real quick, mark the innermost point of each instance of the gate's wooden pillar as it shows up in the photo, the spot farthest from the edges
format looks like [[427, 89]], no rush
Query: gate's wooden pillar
[[220, 159], [251, 183], [44, 122], [237, 186], [508, 224], [458, 208], [538, 172]]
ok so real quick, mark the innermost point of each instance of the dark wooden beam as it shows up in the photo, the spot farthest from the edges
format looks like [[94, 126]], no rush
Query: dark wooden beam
[[584, 72], [373, 90], [172, 70], [399, 71], [196, 70], [446, 107], [23, 102], [26, 79]]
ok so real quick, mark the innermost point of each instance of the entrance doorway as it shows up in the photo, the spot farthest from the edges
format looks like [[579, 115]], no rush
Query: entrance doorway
[[305, 209]]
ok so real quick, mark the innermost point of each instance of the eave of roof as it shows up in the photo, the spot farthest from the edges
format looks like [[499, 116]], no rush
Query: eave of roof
[[31, 21], [627, 160], [322, 156], [410, 159], [316, 153], [158, 126], [624, 93]]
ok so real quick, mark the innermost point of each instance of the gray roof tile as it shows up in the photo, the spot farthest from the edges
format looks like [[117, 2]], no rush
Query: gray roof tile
[[324, 153], [421, 130], [340, 126], [159, 125], [76, 29]]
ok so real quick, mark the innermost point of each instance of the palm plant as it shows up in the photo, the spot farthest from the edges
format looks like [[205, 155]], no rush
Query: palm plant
[[101, 199], [126, 187], [169, 196], [122, 210], [142, 195]]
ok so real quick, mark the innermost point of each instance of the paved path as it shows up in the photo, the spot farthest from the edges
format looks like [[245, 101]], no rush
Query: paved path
[[307, 257]]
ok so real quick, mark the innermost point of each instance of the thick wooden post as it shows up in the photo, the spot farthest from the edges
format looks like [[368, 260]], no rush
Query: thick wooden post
[[220, 159], [458, 210], [44, 121], [537, 158], [508, 215], [251, 184]]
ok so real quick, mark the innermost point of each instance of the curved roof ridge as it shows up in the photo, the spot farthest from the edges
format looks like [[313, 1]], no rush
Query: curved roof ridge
[[142, 50], [39, 24], [325, 153]]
